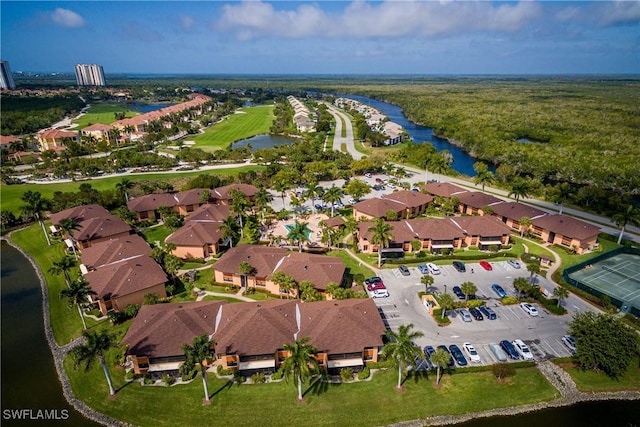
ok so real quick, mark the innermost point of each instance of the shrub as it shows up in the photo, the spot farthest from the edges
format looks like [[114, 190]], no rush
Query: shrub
[[223, 372], [509, 300], [503, 370], [147, 380], [389, 363], [190, 375], [474, 303], [238, 379], [346, 375], [364, 374], [277, 375], [168, 379], [130, 375], [258, 378]]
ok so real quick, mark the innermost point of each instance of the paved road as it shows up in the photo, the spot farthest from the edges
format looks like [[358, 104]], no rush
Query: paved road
[[347, 140]]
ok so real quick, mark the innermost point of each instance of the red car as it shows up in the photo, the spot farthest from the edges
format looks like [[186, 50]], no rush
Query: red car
[[376, 286], [486, 265]]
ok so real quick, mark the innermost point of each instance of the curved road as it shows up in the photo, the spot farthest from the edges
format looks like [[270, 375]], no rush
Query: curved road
[[338, 139]]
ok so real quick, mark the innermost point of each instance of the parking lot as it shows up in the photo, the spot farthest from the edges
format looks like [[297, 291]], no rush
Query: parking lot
[[542, 334]]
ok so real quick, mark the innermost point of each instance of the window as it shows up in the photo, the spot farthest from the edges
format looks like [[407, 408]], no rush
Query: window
[[227, 278], [261, 283]]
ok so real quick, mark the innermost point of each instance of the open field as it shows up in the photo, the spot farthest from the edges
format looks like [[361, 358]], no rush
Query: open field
[[11, 194], [101, 113], [598, 381], [247, 122]]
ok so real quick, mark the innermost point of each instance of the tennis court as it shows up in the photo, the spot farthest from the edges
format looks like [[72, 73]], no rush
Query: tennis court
[[618, 277]]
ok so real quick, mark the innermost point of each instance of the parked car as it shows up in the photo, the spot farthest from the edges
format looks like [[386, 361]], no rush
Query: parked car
[[465, 315], [529, 308], [376, 286], [433, 269], [569, 342], [378, 180], [486, 265], [471, 352], [513, 263], [423, 269], [380, 293], [510, 349], [498, 352], [457, 354], [523, 349], [499, 290], [476, 313], [367, 175], [458, 292], [488, 312], [451, 363], [374, 279], [404, 270], [459, 266], [352, 201], [428, 351]]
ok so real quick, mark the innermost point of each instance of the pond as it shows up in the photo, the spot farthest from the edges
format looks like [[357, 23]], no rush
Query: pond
[[264, 141]]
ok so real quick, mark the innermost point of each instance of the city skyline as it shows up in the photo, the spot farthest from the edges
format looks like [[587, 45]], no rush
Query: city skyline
[[336, 37]]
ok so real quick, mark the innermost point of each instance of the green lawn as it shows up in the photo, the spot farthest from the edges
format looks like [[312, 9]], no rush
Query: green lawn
[[11, 194], [569, 260], [156, 233], [355, 267], [367, 403], [598, 381], [246, 123], [102, 113]]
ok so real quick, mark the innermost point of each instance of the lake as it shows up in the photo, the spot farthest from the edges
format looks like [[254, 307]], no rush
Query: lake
[[147, 108], [264, 141]]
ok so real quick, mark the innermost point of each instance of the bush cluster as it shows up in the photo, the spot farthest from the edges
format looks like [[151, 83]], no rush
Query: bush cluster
[[277, 375], [503, 370], [168, 379], [364, 374], [258, 378], [223, 372], [346, 375]]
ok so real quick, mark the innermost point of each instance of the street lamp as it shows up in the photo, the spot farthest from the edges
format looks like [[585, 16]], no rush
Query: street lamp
[[445, 289]]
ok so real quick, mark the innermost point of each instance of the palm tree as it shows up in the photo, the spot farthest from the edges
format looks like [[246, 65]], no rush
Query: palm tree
[[446, 303], [560, 193], [484, 178], [440, 358], [533, 269], [67, 227], [281, 186], [440, 162], [560, 293], [427, 280], [299, 232], [124, 185], [35, 207], [314, 192], [239, 204], [521, 285], [401, 347], [469, 289], [262, 199], [332, 195], [520, 188], [630, 215], [246, 269], [229, 228], [329, 235], [78, 294], [197, 353], [63, 266], [381, 236], [284, 281], [524, 224], [97, 343], [301, 363]]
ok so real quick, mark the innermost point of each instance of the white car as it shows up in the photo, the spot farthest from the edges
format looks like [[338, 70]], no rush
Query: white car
[[529, 308], [471, 352], [433, 269], [523, 349], [570, 343], [380, 293]]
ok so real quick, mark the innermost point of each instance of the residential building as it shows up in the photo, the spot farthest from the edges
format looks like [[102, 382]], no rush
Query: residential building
[[113, 250], [100, 132], [475, 202], [566, 231], [6, 77], [89, 75], [443, 189], [94, 224], [183, 202], [405, 204], [200, 236], [249, 337], [511, 213], [220, 195], [55, 139]]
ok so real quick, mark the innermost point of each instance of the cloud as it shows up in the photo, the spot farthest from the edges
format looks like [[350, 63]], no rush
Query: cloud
[[186, 22], [619, 13], [359, 19], [67, 18]]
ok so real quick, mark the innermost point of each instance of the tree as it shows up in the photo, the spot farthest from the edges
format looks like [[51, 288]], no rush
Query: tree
[[485, 177], [401, 347], [196, 354], [171, 265], [299, 232], [524, 224], [440, 358], [239, 205], [559, 194], [604, 343], [314, 192], [262, 199], [284, 282], [356, 188], [35, 207], [630, 214], [300, 362], [446, 303], [308, 293], [381, 236], [533, 269], [205, 196], [520, 188], [427, 280], [521, 285], [329, 235], [96, 344], [560, 293], [229, 228], [123, 186], [63, 266], [78, 294], [469, 289], [332, 195], [281, 186]]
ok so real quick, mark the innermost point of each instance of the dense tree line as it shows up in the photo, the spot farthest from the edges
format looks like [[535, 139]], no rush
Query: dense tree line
[[28, 114]]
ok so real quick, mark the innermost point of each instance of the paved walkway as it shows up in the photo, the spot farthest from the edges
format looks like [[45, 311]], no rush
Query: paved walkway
[[238, 295]]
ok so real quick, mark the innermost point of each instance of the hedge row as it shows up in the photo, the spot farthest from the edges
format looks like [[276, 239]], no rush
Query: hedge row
[[457, 256]]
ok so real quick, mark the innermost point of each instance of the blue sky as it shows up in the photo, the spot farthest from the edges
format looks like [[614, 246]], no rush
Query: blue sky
[[324, 37]]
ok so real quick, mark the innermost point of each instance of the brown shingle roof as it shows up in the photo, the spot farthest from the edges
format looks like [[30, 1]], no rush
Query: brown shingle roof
[[222, 193], [567, 226], [100, 227], [150, 202], [57, 133], [336, 221], [263, 258], [209, 212], [515, 211], [114, 250], [481, 225], [443, 189], [126, 277], [411, 199], [194, 233], [477, 199], [79, 213], [378, 208]]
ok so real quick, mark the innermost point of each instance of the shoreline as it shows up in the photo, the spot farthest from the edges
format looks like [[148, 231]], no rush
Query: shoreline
[[569, 395]]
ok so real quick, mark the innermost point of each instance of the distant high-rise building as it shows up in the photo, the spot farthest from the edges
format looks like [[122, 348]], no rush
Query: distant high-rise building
[[90, 75], [6, 78]]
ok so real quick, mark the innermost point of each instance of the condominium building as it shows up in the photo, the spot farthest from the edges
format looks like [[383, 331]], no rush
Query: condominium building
[[6, 78], [90, 75]]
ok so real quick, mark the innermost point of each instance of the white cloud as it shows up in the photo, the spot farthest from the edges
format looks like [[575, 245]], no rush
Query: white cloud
[[619, 12], [67, 18], [361, 19], [186, 22]]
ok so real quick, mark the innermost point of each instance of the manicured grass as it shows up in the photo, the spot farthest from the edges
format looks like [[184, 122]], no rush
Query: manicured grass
[[11, 194], [598, 381], [216, 298], [355, 267], [156, 234], [246, 123], [102, 113], [569, 260], [374, 402]]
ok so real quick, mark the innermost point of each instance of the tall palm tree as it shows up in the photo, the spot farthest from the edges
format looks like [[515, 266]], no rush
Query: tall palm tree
[[239, 205], [484, 178], [281, 186], [314, 192], [229, 228], [427, 280], [78, 294], [446, 303], [332, 195], [381, 236], [300, 363], [440, 358], [197, 353], [63, 266], [401, 347], [123, 186], [560, 293], [533, 269], [329, 235], [521, 285], [520, 188], [524, 224], [97, 343], [560, 193], [299, 232], [469, 288], [35, 207], [67, 227], [630, 214], [262, 199]]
